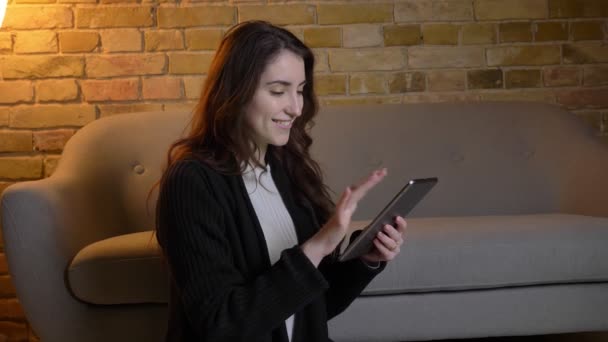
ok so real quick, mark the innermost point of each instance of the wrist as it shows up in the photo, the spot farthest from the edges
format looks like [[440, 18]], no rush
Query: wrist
[[314, 251]]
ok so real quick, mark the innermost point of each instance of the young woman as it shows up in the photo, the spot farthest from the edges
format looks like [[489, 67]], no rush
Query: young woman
[[243, 217]]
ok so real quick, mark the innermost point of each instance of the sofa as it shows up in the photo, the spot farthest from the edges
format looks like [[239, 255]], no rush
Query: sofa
[[513, 240]]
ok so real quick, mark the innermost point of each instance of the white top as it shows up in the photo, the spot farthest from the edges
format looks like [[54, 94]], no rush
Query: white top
[[277, 225]]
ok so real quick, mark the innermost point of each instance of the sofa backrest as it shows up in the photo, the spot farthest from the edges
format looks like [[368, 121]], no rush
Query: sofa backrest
[[491, 158]]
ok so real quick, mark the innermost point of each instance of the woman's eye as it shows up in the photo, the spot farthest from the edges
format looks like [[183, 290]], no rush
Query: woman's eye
[[276, 93]]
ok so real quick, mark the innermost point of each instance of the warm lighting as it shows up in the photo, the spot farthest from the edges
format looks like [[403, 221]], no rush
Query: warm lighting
[[2, 10]]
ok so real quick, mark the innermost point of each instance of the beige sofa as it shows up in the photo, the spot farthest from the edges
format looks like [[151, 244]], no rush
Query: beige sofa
[[512, 241]]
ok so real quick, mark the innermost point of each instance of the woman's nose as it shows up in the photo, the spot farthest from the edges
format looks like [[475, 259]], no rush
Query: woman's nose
[[294, 107]]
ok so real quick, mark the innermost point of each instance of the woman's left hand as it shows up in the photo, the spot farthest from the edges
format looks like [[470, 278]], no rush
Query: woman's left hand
[[387, 243]]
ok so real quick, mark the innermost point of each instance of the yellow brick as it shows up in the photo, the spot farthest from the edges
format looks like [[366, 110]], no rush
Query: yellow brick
[[113, 109], [57, 90], [433, 10], [78, 41], [368, 83], [77, 1], [123, 89], [440, 97], [3, 118], [35, 42], [52, 140], [34, 1], [515, 32], [445, 57], [118, 1], [203, 39], [403, 82], [367, 59], [321, 60], [351, 100], [193, 86], [6, 42], [173, 17], [50, 164], [585, 53], [125, 65], [561, 76], [330, 84], [551, 30], [446, 80], [523, 55], [189, 63], [522, 78], [12, 92], [395, 35], [316, 37], [101, 17], [478, 34], [588, 30], [163, 40], [121, 40], [440, 34], [484, 79], [513, 9], [47, 116], [49, 17], [292, 14], [578, 8], [167, 88], [362, 35], [41, 66], [528, 95], [21, 167], [354, 13], [596, 75], [15, 141]]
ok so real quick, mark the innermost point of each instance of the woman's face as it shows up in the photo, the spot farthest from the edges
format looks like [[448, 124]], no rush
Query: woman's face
[[277, 101]]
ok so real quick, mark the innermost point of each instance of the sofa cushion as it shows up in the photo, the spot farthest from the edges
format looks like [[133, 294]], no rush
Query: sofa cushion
[[466, 253], [124, 269], [440, 254]]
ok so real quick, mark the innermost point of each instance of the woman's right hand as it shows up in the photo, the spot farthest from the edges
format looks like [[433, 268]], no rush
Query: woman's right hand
[[330, 235]]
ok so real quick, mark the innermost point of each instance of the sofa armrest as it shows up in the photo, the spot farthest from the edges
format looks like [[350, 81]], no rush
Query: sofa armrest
[[37, 246]]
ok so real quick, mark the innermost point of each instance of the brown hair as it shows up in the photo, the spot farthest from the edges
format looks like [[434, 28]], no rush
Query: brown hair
[[218, 136]]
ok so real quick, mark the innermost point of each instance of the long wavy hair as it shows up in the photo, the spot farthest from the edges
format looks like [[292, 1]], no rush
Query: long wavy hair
[[218, 134]]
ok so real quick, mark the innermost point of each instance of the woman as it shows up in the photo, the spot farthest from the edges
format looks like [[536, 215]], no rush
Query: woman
[[243, 217]]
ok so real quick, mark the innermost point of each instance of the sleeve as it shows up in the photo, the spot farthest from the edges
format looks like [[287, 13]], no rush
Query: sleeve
[[216, 299], [346, 281]]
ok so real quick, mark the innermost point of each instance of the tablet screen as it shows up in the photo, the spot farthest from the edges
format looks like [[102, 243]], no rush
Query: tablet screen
[[401, 205]]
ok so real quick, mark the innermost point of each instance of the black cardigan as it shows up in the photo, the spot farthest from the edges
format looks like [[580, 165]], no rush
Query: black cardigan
[[223, 286]]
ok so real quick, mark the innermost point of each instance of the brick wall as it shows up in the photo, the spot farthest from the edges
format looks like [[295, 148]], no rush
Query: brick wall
[[65, 63]]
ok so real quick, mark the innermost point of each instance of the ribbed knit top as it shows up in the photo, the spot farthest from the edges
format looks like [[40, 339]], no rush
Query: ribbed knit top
[[275, 221]]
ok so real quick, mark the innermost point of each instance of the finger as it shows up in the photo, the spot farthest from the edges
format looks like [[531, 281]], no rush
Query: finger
[[362, 187], [342, 208], [344, 199], [390, 243], [401, 223], [393, 234], [385, 252]]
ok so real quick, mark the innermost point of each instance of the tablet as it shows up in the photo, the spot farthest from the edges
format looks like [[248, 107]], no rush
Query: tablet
[[400, 205]]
